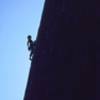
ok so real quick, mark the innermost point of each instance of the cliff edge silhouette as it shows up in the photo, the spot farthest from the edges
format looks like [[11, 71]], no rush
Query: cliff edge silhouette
[[66, 59]]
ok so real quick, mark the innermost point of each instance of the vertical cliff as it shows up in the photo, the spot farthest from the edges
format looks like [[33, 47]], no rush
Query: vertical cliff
[[64, 65]]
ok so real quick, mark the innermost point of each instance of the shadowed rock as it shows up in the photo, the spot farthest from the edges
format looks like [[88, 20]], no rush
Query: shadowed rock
[[67, 53]]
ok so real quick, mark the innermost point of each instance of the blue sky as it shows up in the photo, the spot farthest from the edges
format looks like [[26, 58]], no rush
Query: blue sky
[[18, 18]]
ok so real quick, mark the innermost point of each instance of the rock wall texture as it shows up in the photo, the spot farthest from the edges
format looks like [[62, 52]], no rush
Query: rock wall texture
[[67, 58]]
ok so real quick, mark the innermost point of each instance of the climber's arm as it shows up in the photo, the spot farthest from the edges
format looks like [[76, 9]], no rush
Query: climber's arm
[[28, 45]]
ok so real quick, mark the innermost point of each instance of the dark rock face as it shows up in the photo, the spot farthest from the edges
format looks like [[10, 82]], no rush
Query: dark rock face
[[66, 60]]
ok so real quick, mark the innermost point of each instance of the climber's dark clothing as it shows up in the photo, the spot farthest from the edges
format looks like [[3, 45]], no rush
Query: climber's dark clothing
[[31, 47]]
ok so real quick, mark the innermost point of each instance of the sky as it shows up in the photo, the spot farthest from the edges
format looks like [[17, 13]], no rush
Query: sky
[[18, 18]]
